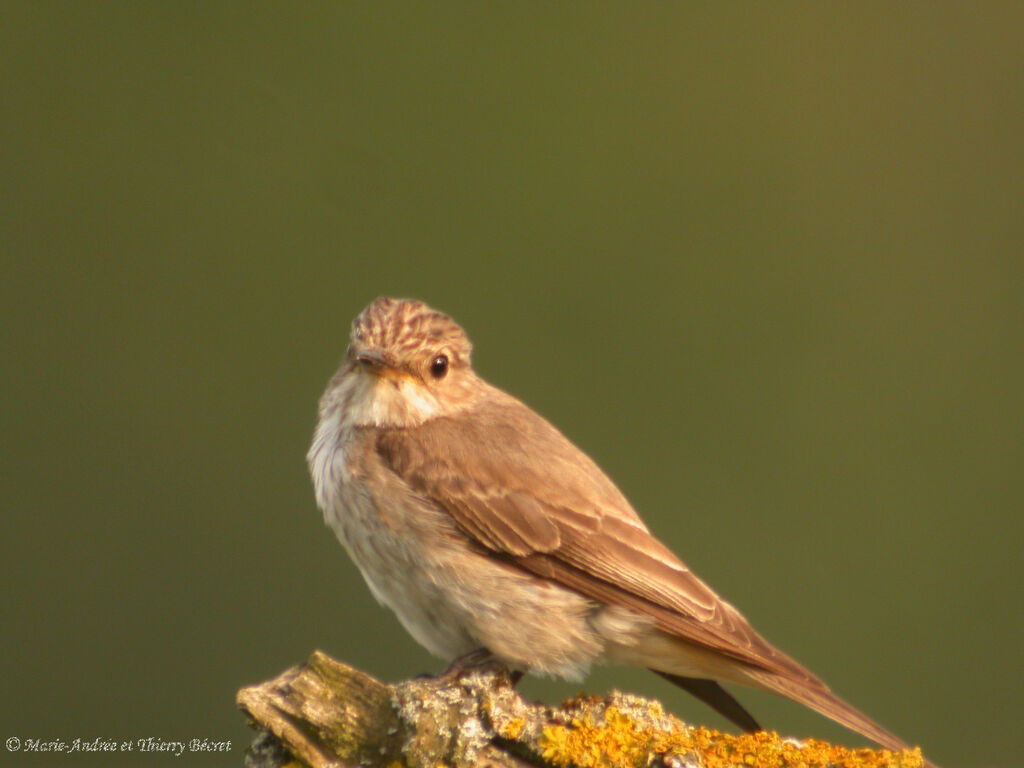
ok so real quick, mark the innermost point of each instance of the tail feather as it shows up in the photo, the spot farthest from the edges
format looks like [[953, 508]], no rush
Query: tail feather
[[826, 703], [716, 697]]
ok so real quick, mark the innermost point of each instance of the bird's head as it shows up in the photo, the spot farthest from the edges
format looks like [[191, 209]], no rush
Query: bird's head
[[405, 363]]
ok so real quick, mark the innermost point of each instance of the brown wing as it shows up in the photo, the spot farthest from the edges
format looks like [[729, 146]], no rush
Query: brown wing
[[518, 487]]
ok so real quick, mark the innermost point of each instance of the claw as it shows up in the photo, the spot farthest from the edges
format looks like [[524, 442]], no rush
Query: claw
[[478, 659]]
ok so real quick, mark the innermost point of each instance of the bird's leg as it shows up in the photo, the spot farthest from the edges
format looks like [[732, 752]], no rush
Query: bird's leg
[[480, 658], [465, 663]]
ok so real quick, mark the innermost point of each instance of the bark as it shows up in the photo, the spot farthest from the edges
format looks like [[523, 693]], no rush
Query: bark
[[324, 713]]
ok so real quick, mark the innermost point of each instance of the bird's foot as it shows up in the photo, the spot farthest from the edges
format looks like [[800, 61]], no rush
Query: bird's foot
[[478, 660]]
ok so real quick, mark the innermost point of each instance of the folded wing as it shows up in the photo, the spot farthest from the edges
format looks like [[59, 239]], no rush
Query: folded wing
[[518, 487]]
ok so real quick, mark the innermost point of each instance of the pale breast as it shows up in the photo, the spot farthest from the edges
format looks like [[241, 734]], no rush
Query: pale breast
[[383, 535]]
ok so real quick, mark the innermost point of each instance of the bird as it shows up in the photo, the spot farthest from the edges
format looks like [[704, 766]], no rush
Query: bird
[[493, 538]]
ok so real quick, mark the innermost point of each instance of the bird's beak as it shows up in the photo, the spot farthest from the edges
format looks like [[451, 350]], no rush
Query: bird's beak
[[377, 363], [371, 360]]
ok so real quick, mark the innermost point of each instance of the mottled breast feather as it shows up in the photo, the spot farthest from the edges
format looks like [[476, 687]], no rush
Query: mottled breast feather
[[561, 518]]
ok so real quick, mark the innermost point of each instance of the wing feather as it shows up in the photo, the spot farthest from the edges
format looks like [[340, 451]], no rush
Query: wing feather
[[518, 487]]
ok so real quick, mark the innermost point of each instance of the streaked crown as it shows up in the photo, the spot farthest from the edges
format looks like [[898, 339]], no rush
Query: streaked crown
[[405, 327]]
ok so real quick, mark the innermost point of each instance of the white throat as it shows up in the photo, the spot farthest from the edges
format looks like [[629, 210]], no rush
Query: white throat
[[360, 399], [386, 402]]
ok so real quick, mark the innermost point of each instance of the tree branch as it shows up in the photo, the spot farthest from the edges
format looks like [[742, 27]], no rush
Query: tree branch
[[325, 713]]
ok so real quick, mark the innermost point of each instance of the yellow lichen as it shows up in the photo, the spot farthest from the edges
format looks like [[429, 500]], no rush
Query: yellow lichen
[[614, 743], [767, 750], [513, 728], [619, 742]]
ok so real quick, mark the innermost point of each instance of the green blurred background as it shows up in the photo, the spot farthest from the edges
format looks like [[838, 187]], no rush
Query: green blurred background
[[763, 262]]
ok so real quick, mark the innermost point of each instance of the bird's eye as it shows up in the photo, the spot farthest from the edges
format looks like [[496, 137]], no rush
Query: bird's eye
[[439, 366]]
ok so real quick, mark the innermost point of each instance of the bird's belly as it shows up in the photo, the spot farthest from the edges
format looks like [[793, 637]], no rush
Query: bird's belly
[[399, 579], [422, 610], [453, 600]]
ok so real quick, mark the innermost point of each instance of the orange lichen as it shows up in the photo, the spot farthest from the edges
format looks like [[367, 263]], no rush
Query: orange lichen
[[616, 741]]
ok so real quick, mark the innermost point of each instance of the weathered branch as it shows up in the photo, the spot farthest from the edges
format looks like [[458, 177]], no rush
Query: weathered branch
[[325, 713]]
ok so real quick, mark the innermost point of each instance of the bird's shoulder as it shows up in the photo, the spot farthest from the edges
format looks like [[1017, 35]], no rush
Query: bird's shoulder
[[513, 480]]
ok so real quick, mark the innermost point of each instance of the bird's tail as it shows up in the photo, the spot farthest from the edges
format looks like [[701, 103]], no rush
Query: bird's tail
[[826, 703]]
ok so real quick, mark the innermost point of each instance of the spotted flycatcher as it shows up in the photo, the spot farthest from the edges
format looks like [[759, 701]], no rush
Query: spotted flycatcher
[[489, 534]]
